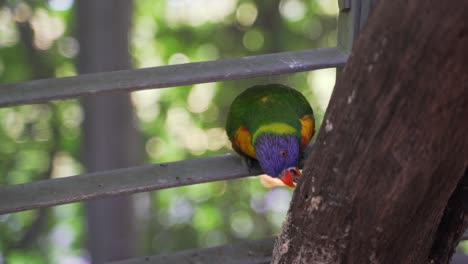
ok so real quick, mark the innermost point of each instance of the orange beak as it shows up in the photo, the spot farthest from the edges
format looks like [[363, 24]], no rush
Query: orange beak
[[290, 176]]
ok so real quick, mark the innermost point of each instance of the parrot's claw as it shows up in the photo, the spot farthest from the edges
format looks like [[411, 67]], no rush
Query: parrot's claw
[[249, 162]]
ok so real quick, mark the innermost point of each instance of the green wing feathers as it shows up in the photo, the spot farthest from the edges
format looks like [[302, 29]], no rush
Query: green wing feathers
[[265, 104]]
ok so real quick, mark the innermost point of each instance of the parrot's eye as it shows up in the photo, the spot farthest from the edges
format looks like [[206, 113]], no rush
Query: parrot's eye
[[283, 153]]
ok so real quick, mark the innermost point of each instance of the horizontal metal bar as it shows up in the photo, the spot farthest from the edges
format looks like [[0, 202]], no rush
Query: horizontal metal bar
[[172, 75], [51, 192], [247, 252]]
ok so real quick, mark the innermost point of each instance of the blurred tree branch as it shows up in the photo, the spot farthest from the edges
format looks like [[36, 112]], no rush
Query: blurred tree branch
[[38, 69]]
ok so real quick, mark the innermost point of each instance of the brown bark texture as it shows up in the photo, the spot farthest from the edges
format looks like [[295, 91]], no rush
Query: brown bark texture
[[385, 181]]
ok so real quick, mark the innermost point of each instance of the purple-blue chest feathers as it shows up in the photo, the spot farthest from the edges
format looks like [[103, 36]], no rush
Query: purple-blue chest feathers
[[277, 152]]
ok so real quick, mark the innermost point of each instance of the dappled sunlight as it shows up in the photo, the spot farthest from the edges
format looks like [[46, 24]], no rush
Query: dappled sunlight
[[145, 51], [293, 10], [72, 116], [66, 233], [313, 29], [178, 122], [188, 135], [180, 211], [207, 218], [65, 69], [68, 47], [278, 199], [146, 104], [246, 14], [253, 40], [174, 124], [196, 13], [206, 52], [13, 123], [8, 32], [46, 28], [328, 7], [217, 138], [63, 165], [321, 82], [22, 12], [178, 58], [62, 235], [196, 141], [154, 147], [18, 221], [60, 5], [241, 224], [200, 97], [219, 212]]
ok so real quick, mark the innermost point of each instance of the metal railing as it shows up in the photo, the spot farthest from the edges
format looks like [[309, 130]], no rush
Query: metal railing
[[172, 75]]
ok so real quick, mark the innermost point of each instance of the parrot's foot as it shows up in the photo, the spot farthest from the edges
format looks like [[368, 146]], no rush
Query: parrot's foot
[[250, 163]]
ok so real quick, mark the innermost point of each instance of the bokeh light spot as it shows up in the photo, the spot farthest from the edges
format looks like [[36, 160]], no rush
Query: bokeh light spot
[[22, 12], [321, 82], [153, 146], [195, 12], [246, 14], [313, 29], [178, 58], [13, 123], [146, 104], [207, 52], [253, 40], [278, 199], [328, 7], [200, 97], [64, 165], [241, 224], [292, 10], [217, 138], [180, 211], [8, 34], [206, 218], [46, 28], [72, 116], [60, 5], [68, 47]]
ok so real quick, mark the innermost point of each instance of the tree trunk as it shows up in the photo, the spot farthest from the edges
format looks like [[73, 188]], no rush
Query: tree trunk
[[385, 181], [110, 139]]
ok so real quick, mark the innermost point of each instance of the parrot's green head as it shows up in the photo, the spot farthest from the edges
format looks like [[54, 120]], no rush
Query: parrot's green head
[[278, 155]]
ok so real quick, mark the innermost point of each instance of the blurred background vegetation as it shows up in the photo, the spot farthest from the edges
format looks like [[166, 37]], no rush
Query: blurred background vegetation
[[38, 40]]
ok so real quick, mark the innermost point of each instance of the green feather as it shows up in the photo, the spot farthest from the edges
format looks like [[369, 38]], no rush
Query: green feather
[[260, 107]]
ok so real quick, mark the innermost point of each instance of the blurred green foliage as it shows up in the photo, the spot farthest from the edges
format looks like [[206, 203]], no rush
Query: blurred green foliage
[[37, 40]]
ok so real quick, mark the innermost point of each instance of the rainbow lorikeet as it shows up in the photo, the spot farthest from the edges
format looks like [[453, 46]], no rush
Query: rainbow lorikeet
[[273, 124]]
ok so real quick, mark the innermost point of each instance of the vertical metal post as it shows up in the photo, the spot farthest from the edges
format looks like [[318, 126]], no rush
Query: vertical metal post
[[351, 20], [348, 23]]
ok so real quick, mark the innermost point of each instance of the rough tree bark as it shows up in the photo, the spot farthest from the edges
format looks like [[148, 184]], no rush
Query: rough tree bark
[[110, 137], [386, 179]]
